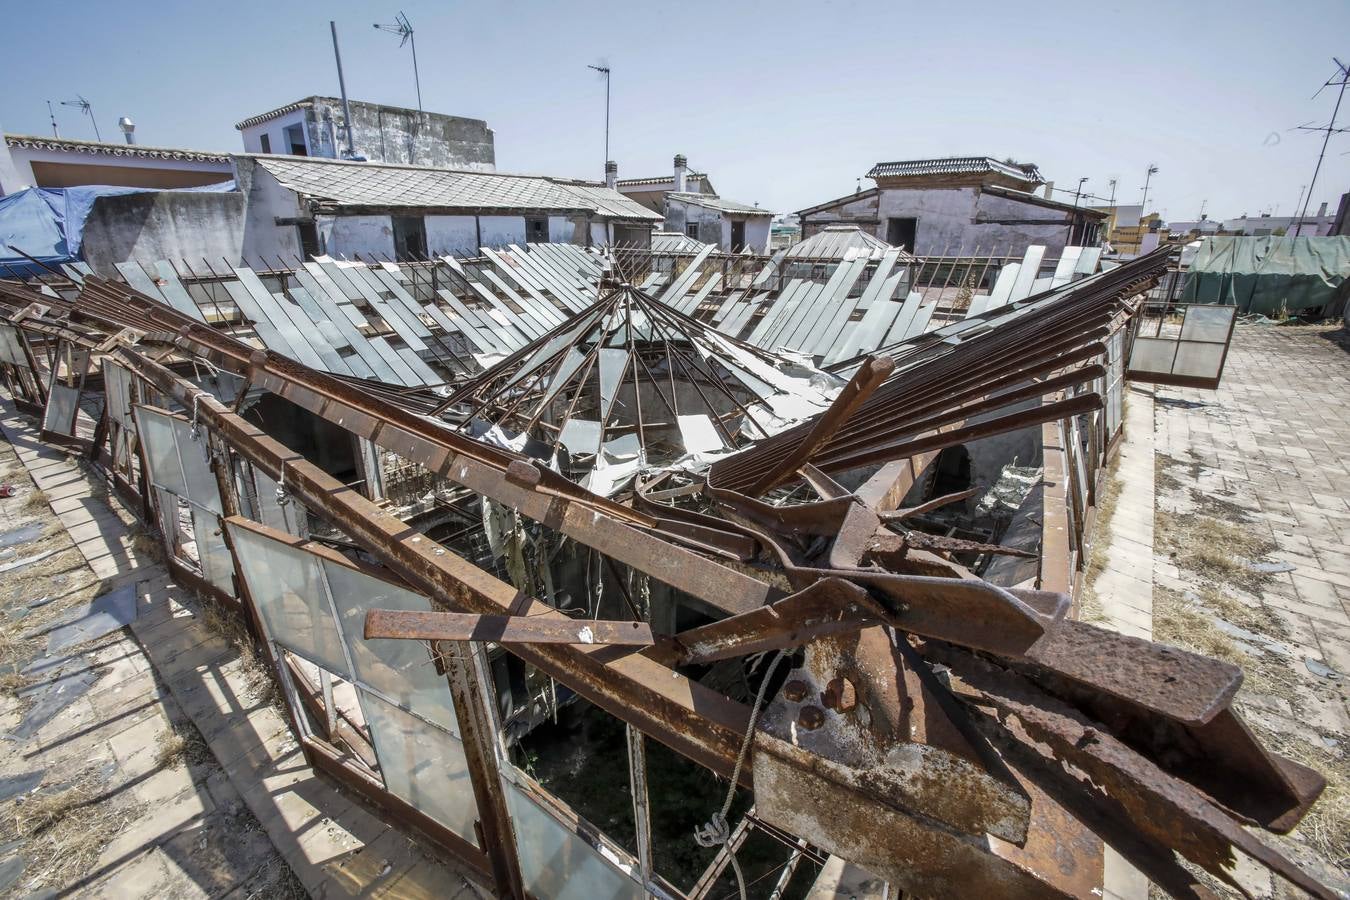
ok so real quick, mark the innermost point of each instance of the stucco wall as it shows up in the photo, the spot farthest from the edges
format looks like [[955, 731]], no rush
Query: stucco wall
[[172, 225], [265, 200], [498, 231], [361, 235], [679, 215], [275, 129], [395, 135], [451, 234]]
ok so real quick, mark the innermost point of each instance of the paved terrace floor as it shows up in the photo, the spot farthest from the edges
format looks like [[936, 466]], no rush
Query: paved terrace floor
[[1240, 551], [173, 774]]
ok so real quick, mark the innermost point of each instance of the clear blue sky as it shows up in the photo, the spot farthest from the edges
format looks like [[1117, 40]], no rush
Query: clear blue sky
[[785, 103]]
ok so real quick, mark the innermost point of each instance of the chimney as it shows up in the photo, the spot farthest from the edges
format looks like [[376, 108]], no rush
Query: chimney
[[1049, 190], [128, 129], [681, 169], [1322, 210], [611, 175]]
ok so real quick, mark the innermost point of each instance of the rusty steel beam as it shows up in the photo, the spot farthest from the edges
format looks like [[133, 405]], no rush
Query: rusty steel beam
[[415, 625], [864, 383], [829, 606]]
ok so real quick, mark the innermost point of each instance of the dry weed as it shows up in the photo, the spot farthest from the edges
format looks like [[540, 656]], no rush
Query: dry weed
[[36, 501], [1219, 551]]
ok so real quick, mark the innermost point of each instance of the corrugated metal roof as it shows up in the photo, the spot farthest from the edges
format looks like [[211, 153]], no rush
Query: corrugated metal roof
[[834, 242], [675, 242], [710, 201], [341, 183], [954, 165]]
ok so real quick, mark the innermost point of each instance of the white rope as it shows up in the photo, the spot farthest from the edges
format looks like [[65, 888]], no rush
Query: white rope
[[715, 832]]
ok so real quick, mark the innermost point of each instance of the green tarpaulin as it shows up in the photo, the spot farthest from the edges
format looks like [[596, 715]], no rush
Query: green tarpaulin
[[1270, 275]]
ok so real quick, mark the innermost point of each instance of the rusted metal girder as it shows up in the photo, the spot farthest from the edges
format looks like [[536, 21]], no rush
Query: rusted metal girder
[[695, 721], [416, 625], [1165, 809]]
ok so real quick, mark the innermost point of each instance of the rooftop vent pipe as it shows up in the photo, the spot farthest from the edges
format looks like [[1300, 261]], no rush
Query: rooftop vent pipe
[[128, 129]]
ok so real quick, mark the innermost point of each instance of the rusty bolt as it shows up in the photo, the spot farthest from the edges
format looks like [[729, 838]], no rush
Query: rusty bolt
[[811, 717], [839, 695], [795, 690]]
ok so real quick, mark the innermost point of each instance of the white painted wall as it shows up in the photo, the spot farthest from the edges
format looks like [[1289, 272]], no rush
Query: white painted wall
[[756, 234], [265, 200], [601, 234], [363, 235], [561, 230], [451, 234], [498, 231], [275, 129]]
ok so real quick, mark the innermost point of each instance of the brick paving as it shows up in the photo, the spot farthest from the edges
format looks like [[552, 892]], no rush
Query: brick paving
[[1267, 456]]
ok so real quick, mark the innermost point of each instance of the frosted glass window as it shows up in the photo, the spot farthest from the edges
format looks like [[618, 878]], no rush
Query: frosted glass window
[[424, 766], [59, 416], [214, 556], [177, 462], [291, 518], [11, 351], [401, 670], [287, 586], [1198, 360], [1152, 355], [555, 862], [1207, 323]]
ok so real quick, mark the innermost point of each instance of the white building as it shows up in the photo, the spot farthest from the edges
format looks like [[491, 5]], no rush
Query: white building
[[298, 207], [959, 206], [28, 160], [316, 126], [693, 208]]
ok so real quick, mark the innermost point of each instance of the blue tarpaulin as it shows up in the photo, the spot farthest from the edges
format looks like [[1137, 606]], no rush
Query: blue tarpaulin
[[48, 223]]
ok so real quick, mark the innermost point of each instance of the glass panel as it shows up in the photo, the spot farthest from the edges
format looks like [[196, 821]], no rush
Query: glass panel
[[291, 518], [401, 670], [59, 417], [555, 862], [1152, 355], [286, 583], [217, 566], [1199, 360], [1207, 323], [10, 349], [161, 451], [423, 765]]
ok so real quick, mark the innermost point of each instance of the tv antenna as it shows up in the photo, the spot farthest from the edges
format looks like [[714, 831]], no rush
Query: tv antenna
[[85, 107], [403, 28], [1341, 78], [51, 114]]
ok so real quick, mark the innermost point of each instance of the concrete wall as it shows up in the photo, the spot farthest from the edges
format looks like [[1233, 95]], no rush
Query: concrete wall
[[396, 135], [173, 225], [561, 230], [361, 235], [861, 212], [451, 234], [679, 215], [265, 200]]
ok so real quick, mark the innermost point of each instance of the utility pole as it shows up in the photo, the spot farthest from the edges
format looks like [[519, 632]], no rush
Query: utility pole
[[1143, 204], [403, 28], [51, 114], [604, 70], [342, 86], [1343, 74], [85, 107]]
